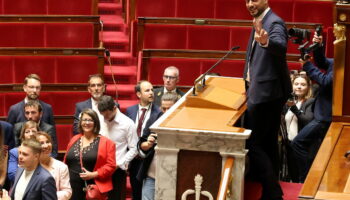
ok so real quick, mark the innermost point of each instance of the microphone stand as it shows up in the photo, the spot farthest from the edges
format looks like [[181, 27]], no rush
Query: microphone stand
[[202, 77], [108, 55]]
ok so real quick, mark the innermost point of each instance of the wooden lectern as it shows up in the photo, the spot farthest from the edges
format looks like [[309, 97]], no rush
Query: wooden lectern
[[196, 136], [328, 178]]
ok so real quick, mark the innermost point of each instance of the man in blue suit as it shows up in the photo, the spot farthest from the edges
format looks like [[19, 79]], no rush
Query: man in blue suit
[[32, 181], [96, 88], [32, 87], [268, 86], [314, 131], [144, 115]]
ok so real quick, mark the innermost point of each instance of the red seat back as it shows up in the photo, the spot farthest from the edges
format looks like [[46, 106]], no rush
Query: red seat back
[[72, 7], [165, 37], [195, 8], [24, 7], [155, 8]]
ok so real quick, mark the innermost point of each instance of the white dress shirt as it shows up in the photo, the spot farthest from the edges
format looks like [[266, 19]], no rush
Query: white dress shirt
[[103, 126], [122, 131]]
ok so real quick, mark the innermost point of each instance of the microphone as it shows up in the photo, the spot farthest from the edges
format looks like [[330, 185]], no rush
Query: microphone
[[108, 55], [202, 77]]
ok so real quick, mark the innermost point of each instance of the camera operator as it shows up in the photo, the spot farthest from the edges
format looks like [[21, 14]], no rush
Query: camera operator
[[305, 145]]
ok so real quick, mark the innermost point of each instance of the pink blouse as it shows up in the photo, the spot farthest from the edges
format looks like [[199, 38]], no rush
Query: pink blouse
[[60, 173]]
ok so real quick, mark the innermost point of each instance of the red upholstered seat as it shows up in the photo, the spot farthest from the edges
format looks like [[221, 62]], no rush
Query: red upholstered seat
[[76, 7], [64, 133], [314, 11], [2, 105], [283, 8], [75, 35], [294, 66], [24, 7], [208, 37], [155, 8], [70, 35], [164, 37], [6, 75], [195, 8], [329, 39], [21, 35], [232, 68], [239, 36], [51, 69], [75, 69], [231, 9]]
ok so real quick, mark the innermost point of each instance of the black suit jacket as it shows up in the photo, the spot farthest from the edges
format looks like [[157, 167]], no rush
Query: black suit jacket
[[42, 127], [8, 137], [268, 71], [41, 186], [158, 93], [16, 113], [79, 107]]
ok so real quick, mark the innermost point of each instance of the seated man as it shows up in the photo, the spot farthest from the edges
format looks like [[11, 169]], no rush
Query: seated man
[[31, 87], [32, 181], [33, 112], [167, 101], [171, 77]]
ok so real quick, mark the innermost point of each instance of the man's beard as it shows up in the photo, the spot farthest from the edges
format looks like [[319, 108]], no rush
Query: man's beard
[[33, 96]]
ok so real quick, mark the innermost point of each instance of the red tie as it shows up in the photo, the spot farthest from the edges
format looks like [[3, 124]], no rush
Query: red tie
[[142, 117]]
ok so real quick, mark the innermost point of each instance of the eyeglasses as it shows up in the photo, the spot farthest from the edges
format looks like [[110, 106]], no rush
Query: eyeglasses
[[87, 120], [99, 85], [170, 77]]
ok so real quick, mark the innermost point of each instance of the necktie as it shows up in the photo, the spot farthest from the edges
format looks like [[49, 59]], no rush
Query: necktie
[[142, 117]]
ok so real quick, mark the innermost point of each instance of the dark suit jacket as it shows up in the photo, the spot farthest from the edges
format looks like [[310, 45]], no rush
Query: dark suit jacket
[[158, 93], [16, 113], [43, 127], [155, 114], [132, 111], [8, 139], [323, 101], [78, 108], [268, 71], [41, 186]]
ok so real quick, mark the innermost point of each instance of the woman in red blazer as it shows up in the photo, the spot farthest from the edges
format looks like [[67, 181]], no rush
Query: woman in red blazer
[[98, 157]]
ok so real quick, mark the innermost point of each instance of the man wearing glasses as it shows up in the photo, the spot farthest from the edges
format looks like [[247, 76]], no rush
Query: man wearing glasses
[[96, 88], [170, 78], [32, 87]]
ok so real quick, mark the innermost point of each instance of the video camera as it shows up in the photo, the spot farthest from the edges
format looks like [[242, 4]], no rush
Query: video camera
[[298, 35]]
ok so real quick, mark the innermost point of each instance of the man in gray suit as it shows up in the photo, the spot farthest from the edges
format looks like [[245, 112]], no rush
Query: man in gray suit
[[268, 86], [96, 88], [171, 77], [33, 112], [32, 181]]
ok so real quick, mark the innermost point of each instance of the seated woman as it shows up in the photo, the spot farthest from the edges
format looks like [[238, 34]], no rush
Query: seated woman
[[297, 113], [97, 154], [29, 130], [58, 169]]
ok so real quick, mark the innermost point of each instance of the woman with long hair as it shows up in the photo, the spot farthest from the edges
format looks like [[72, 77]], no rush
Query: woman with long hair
[[97, 154], [29, 130], [58, 169], [297, 113]]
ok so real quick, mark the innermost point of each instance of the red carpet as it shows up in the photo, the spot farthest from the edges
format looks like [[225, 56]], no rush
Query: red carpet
[[253, 190]]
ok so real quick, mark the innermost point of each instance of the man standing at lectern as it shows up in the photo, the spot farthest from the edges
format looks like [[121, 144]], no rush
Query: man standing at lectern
[[268, 86]]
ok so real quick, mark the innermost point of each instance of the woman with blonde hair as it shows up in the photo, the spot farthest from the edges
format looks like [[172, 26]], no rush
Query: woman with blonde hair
[[29, 130], [58, 169], [297, 113]]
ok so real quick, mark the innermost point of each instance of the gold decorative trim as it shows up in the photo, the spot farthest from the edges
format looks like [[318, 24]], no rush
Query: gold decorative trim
[[342, 17]]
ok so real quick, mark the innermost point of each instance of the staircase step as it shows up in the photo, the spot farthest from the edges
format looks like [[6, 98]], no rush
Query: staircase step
[[122, 74], [122, 58], [109, 8], [113, 23], [115, 41], [125, 91]]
